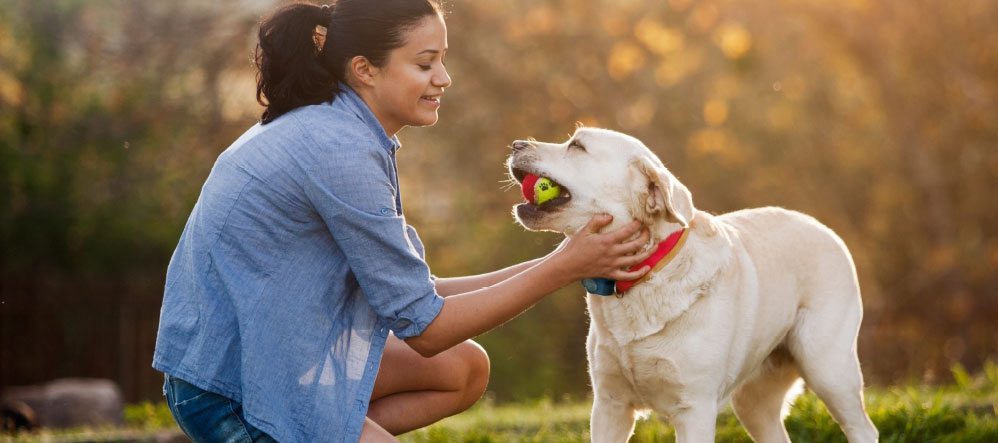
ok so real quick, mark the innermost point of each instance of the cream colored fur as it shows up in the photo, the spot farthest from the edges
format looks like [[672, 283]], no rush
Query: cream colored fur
[[753, 301]]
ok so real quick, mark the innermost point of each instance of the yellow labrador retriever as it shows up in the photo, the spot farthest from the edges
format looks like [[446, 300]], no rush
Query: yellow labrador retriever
[[740, 306]]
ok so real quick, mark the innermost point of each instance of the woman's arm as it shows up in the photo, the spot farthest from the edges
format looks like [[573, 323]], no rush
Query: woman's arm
[[459, 285], [586, 254]]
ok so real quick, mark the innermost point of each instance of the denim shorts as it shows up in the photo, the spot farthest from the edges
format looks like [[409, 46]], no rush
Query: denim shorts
[[207, 417]]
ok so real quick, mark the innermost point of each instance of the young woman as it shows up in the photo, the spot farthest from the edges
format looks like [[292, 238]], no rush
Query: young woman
[[298, 305]]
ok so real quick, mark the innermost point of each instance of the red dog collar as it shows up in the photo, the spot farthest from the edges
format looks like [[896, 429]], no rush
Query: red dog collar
[[665, 252]]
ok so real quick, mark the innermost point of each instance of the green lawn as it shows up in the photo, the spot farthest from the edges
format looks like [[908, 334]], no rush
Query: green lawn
[[962, 412]]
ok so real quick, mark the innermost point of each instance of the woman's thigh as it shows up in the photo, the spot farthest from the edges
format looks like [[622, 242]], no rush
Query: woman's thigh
[[462, 367]]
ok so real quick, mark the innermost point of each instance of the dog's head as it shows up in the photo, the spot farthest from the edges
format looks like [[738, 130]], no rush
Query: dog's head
[[599, 171]]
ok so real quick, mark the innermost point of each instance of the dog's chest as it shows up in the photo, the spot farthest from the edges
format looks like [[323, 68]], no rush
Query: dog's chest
[[644, 311], [642, 368], [640, 341], [632, 352]]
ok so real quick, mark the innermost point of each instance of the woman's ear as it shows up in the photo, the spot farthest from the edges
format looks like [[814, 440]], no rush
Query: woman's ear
[[362, 70]]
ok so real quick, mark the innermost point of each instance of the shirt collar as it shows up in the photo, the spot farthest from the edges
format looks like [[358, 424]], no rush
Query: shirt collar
[[356, 104]]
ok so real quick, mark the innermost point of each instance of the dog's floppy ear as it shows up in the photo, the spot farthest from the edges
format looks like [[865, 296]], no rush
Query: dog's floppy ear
[[665, 195]]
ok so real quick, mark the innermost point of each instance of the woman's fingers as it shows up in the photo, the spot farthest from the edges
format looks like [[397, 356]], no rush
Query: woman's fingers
[[617, 251], [597, 222], [629, 261], [625, 232], [635, 245]]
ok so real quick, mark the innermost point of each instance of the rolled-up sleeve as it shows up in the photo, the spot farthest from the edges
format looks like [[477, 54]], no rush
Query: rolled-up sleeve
[[414, 237], [352, 191]]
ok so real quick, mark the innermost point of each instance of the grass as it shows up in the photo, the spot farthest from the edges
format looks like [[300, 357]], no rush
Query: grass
[[144, 422], [962, 412]]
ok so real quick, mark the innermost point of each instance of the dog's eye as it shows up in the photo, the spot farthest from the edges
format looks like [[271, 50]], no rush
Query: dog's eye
[[577, 145]]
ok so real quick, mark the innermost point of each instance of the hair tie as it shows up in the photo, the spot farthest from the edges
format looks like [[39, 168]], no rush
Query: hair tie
[[326, 15]]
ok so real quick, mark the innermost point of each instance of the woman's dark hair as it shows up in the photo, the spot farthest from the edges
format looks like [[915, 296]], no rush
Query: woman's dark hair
[[293, 72]]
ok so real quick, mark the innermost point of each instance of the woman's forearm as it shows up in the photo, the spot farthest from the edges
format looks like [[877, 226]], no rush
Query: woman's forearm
[[473, 313], [459, 285]]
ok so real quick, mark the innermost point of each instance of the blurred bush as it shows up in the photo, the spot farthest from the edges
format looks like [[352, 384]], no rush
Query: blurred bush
[[875, 117]]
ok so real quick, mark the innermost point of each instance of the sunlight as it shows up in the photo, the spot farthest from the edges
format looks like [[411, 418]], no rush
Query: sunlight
[[625, 58], [657, 38], [733, 39]]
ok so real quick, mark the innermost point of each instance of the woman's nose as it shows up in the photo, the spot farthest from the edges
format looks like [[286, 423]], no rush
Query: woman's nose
[[441, 79]]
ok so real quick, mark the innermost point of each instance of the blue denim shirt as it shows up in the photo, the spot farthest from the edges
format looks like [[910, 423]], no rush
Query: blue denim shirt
[[293, 267]]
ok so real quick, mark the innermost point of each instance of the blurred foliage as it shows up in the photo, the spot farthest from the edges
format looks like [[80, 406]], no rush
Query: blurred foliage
[[110, 111], [876, 117]]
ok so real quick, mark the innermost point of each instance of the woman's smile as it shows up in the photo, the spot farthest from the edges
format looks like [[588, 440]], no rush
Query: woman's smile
[[432, 100]]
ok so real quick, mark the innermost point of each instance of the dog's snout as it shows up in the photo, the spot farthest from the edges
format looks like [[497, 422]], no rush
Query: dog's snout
[[520, 145]]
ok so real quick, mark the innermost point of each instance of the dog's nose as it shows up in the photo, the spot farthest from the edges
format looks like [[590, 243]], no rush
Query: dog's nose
[[520, 145]]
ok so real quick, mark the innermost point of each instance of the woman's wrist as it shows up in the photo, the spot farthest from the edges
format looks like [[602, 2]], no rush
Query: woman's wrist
[[561, 269]]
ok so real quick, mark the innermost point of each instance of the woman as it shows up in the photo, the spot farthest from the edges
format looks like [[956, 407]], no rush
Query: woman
[[297, 278]]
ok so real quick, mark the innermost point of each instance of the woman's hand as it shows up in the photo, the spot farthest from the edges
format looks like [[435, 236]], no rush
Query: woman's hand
[[589, 253]]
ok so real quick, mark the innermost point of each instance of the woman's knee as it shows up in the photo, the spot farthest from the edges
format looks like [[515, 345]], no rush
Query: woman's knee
[[477, 368]]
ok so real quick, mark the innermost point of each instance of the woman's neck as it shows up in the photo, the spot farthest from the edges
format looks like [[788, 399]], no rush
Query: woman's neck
[[366, 95]]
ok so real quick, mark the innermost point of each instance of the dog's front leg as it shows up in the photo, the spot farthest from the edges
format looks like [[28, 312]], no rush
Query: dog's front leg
[[612, 420], [696, 424]]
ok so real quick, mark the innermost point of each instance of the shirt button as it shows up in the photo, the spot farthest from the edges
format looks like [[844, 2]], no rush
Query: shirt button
[[385, 211]]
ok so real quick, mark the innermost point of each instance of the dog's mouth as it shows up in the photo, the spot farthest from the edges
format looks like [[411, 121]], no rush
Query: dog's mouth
[[563, 196]]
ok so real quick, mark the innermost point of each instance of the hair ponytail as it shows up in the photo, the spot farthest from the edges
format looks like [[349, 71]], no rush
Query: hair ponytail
[[290, 73], [294, 72]]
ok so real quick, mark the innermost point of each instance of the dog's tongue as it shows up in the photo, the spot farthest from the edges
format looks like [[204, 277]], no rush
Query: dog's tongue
[[527, 188]]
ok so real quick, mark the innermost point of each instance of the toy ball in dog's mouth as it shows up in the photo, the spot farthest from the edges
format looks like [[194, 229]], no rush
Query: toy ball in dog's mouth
[[540, 190]]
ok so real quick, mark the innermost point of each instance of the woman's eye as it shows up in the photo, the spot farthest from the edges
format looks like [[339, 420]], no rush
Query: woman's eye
[[424, 67]]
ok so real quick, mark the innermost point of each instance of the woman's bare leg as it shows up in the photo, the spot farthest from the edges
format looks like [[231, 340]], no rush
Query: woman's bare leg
[[413, 391], [372, 433]]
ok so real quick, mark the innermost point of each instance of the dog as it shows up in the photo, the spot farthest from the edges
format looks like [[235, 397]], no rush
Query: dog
[[747, 304]]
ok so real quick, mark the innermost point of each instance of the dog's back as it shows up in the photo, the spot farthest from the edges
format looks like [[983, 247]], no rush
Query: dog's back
[[791, 248]]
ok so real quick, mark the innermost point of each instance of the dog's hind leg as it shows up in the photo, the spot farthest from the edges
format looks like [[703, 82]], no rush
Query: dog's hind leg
[[612, 421], [824, 346], [761, 403]]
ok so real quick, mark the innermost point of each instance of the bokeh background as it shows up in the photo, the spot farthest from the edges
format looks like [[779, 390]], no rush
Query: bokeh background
[[876, 116]]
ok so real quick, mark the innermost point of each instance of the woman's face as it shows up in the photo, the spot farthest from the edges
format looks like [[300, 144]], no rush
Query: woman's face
[[406, 90]]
